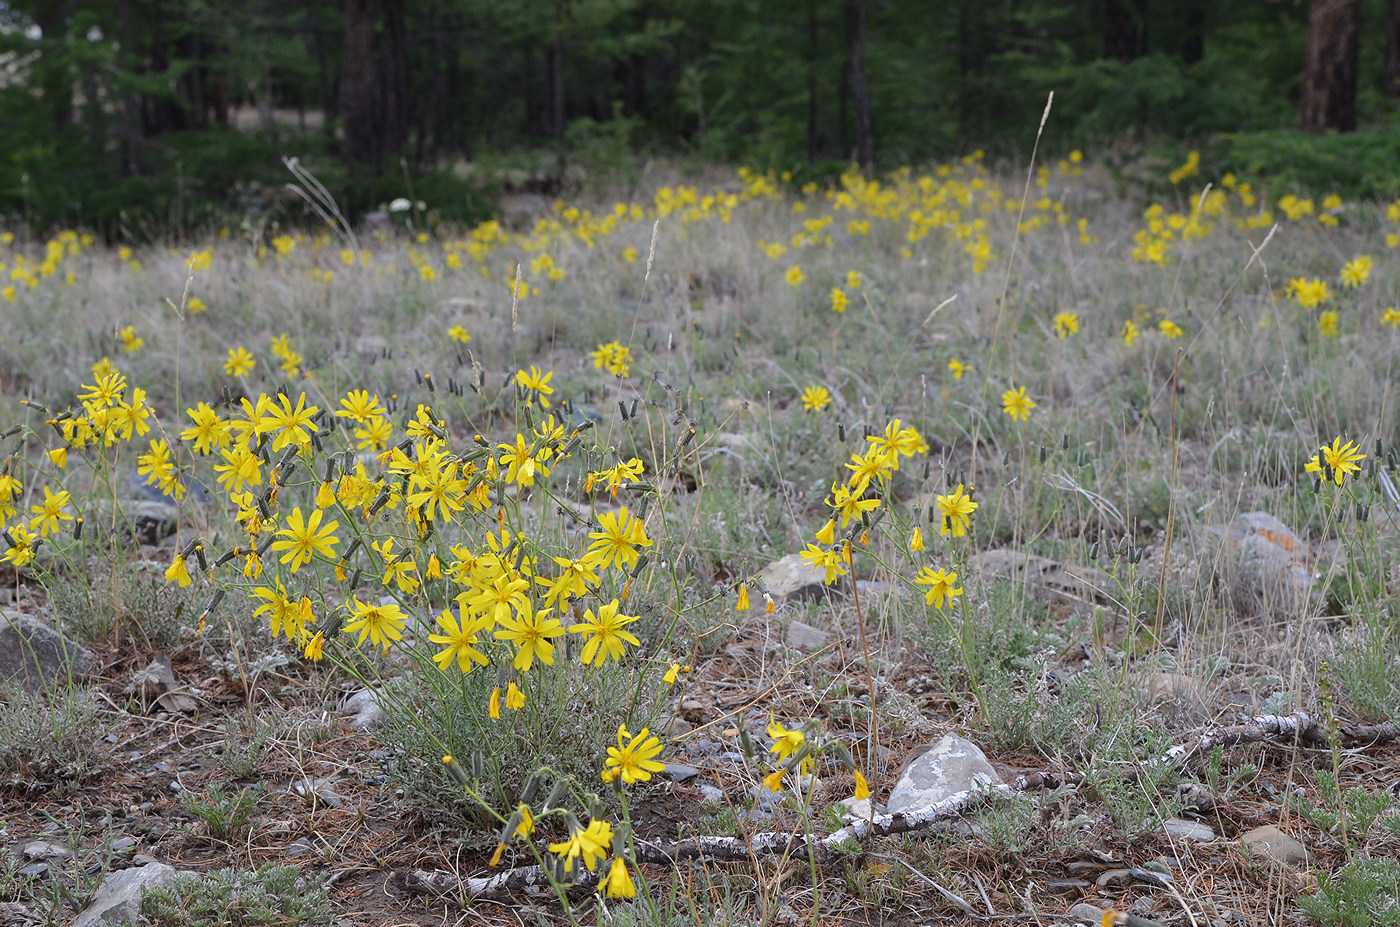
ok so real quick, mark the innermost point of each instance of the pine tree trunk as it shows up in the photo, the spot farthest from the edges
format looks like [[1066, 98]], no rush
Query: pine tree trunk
[[811, 82], [1392, 49], [374, 85], [1123, 38], [1330, 66], [860, 90], [360, 105]]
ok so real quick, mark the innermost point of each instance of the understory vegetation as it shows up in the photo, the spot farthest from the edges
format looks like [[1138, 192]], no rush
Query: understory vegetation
[[532, 487]]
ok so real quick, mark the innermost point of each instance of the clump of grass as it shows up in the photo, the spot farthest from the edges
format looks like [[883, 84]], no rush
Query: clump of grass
[[225, 814], [269, 895], [50, 739]]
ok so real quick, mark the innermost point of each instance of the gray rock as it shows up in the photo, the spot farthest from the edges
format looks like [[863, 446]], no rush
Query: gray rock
[[1086, 914], [1187, 830], [802, 636], [14, 914], [946, 768], [1044, 578], [1263, 565], [364, 705], [118, 898], [680, 772], [1114, 877], [1150, 876], [45, 849], [1270, 842], [711, 793], [34, 654], [792, 579], [855, 809], [33, 870]]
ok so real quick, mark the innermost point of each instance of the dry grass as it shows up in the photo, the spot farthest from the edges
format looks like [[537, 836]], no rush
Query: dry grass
[[1154, 442]]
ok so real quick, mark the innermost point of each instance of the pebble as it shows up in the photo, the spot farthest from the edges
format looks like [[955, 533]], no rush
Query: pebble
[[1182, 829], [44, 849], [711, 793], [1271, 843], [123, 843], [1114, 877], [680, 772], [1087, 914], [1151, 877], [33, 870]]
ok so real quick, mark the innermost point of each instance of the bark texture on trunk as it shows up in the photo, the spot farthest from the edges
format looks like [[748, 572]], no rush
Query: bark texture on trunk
[[1392, 49], [860, 89], [374, 85], [1328, 98]]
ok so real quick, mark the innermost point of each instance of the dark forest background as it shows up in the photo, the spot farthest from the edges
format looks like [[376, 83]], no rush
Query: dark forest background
[[140, 117]]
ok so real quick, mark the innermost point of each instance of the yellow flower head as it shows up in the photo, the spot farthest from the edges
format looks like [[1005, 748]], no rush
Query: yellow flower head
[[1015, 403]]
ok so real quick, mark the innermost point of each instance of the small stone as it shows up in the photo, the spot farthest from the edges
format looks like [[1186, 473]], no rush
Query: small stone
[[855, 809], [45, 849], [952, 765], [679, 727], [35, 655], [680, 772], [1271, 843], [1043, 578], [1064, 884], [792, 578], [33, 870], [1266, 566], [1087, 914], [118, 898], [802, 636], [1151, 877], [123, 843], [1182, 829], [364, 705], [14, 914], [298, 848], [711, 793], [143, 859], [1114, 877]]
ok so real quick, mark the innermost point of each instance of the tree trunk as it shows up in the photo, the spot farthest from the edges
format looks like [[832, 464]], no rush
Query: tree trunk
[[811, 82], [554, 74], [1392, 49], [394, 56], [1123, 37], [1330, 66], [860, 90], [1193, 31], [374, 85]]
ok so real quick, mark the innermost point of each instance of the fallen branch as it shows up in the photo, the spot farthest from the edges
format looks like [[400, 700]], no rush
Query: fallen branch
[[438, 882], [1299, 727], [1294, 728]]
